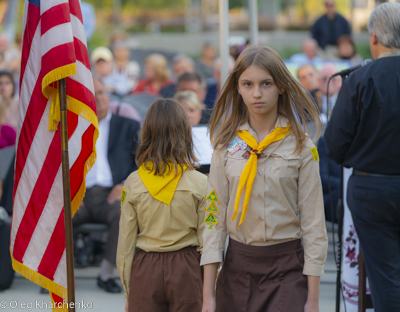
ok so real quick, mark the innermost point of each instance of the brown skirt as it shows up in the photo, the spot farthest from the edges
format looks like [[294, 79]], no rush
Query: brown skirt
[[262, 278], [166, 281]]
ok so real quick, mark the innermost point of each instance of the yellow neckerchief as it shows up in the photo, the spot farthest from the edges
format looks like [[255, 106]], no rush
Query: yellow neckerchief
[[163, 187], [249, 171]]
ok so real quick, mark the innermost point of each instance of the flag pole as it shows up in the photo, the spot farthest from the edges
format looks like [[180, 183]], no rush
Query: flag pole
[[67, 195]]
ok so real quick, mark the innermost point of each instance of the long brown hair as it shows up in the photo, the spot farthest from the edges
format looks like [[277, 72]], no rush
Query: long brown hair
[[296, 104], [166, 138]]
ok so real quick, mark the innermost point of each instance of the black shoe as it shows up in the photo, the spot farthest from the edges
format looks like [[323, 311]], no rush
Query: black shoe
[[109, 286]]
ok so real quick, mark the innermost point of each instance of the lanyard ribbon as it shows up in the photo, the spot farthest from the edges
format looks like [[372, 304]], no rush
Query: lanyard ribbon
[[250, 169]]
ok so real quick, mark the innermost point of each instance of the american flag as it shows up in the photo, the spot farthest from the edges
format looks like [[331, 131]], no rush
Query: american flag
[[54, 47]]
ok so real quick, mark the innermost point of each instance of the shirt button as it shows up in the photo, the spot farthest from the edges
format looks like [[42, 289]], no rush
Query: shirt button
[[260, 218], [259, 196], [260, 173]]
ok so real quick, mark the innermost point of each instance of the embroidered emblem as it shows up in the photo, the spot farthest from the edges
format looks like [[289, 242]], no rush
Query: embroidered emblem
[[211, 219], [233, 147], [212, 208], [210, 227], [314, 153], [213, 197], [246, 155], [243, 145], [123, 195]]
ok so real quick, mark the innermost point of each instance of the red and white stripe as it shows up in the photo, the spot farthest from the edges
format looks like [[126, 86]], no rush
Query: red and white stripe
[[53, 37]]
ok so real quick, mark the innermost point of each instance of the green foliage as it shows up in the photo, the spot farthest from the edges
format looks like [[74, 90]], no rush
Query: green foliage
[[364, 50], [233, 4]]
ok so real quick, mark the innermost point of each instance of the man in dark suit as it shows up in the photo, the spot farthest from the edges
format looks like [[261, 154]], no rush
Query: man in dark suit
[[116, 146], [363, 133]]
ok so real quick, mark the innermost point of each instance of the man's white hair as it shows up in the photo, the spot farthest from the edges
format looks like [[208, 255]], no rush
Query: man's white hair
[[384, 22]]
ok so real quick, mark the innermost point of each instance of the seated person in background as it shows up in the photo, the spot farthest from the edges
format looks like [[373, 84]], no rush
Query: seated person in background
[[180, 64], [156, 75], [8, 99], [6, 203], [190, 102], [116, 147], [308, 77], [204, 66], [329, 171], [194, 82], [347, 50], [334, 86], [102, 61], [123, 66], [309, 55]]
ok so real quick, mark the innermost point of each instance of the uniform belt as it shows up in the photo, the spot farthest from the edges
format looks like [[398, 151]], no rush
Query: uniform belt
[[363, 173]]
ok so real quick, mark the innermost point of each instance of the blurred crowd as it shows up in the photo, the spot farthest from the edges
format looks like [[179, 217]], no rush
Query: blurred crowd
[[132, 81]]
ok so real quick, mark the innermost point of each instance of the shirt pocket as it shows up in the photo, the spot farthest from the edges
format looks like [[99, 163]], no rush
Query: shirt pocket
[[235, 164], [285, 165]]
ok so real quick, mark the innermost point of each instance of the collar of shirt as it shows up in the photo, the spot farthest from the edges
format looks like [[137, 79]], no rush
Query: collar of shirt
[[280, 122], [390, 53], [106, 120]]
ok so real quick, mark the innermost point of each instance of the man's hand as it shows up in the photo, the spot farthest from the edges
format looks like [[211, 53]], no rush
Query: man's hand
[[115, 194], [126, 306]]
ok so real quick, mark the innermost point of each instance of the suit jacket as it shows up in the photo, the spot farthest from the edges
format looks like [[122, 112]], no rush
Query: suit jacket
[[122, 144]]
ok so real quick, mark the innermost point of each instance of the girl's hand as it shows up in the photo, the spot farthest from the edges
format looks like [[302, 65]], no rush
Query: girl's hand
[[126, 306], [209, 305], [311, 306]]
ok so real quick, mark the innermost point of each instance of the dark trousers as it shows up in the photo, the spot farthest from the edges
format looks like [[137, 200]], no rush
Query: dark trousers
[[97, 210], [6, 270], [374, 203]]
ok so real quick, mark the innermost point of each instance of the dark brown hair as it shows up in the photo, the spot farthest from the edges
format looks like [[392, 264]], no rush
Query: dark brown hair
[[166, 138], [295, 104]]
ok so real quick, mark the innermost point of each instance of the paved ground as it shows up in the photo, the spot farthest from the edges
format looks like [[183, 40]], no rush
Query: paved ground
[[95, 299]]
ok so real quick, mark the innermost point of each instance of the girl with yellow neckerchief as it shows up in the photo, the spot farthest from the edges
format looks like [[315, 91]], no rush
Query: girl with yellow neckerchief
[[264, 190], [165, 201]]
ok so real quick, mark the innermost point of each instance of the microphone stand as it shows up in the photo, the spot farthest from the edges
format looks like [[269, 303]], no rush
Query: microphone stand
[[340, 216]]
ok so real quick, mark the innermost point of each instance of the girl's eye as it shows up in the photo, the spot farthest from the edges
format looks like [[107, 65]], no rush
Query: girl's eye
[[247, 84], [267, 84]]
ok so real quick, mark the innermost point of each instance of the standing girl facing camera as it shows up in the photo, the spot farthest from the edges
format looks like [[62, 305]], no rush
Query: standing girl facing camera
[[264, 190], [165, 201]]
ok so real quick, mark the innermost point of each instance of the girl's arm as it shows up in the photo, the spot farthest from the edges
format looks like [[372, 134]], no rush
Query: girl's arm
[[210, 273], [312, 304]]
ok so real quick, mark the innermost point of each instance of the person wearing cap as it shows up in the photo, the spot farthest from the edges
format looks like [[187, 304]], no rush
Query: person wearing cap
[[102, 62]]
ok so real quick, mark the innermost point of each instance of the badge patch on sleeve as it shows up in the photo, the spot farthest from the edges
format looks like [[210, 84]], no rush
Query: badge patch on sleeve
[[210, 227], [211, 219], [123, 195], [314, 153], [212, 208], [213, 197]]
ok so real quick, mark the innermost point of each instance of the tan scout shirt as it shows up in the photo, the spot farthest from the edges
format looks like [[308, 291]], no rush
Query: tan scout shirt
[[162, 227], [285, 186]]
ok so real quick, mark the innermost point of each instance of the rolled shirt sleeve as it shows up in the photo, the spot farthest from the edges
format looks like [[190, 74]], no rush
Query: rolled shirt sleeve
[[201, 216], [312, 215], [215, 230], [128, 228]]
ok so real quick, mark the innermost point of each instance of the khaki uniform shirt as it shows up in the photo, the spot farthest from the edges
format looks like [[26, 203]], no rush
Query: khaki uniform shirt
[[286, 186], [162, 227]]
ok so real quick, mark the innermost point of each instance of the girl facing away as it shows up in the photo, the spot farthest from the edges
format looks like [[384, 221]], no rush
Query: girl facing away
[[264, 190], [164, 200]]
